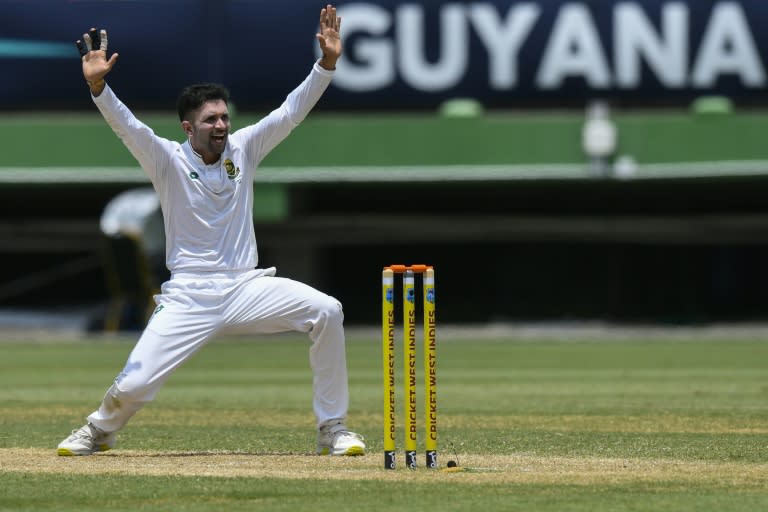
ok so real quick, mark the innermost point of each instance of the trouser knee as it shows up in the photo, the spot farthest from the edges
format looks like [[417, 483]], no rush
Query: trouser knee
[[330, 311], [132, 390]]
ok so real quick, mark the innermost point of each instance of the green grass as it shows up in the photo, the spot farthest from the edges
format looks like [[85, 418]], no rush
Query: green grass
[[97, 493], [578, 425], [420, 139]]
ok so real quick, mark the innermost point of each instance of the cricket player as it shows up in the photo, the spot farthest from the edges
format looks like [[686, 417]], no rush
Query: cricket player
[[205, 187]]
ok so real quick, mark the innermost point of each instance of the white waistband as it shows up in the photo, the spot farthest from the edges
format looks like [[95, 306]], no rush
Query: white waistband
[[223, 274], [226, 274]]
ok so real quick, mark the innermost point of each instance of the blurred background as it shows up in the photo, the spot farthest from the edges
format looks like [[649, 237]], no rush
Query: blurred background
[[556, 161]]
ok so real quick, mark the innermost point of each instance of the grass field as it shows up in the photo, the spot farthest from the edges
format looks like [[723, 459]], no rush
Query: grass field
[[502, 138], [545, 425]]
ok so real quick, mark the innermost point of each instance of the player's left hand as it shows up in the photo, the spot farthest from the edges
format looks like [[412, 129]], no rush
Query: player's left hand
[[328, 37]]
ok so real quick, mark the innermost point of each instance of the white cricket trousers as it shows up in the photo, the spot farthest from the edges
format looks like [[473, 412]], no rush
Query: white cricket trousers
[[194, 307]]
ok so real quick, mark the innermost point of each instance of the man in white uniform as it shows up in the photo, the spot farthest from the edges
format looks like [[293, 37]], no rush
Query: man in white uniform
[[205, 187]]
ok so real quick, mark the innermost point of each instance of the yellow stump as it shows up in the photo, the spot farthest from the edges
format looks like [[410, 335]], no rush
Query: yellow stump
[[388, 359], [430, 368], [409, 367]]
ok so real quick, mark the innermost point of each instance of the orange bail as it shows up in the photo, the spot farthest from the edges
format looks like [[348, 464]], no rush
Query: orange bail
[[416, 269]]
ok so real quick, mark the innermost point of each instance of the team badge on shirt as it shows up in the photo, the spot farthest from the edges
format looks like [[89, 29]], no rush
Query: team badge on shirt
[[232, 171]]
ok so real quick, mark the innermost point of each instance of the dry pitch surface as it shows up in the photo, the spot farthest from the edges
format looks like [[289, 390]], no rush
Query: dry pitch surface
[[521, 469]]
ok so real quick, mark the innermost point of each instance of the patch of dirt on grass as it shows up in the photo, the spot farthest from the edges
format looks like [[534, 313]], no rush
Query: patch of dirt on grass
[[522, 469]]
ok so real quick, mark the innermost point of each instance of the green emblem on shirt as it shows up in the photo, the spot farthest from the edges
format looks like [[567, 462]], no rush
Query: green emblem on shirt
[[194, 175], [232, 171]]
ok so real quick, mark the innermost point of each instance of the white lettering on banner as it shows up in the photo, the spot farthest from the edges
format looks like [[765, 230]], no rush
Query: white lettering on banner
[[574, 50], [376, 70], [454, 48], [384, 45], [635, 39], [728, 48], [503, 41]]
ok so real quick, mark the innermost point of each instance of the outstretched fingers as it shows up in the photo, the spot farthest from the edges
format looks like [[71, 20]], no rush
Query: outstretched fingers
[[93, 40], [93, 53], [330, 16], [329, 37], [329, 19]]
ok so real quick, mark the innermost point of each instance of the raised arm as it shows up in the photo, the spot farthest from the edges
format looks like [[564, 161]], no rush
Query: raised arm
[[150, 150], [93, 53]]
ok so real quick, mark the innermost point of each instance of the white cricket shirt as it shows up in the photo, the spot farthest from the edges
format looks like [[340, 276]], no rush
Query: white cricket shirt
[[208, 209]]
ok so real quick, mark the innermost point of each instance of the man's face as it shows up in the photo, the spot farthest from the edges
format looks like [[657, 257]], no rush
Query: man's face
[[208, 129]]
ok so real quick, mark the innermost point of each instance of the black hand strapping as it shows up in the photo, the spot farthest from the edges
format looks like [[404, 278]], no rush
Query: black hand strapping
[[95, 39], [81, 47]]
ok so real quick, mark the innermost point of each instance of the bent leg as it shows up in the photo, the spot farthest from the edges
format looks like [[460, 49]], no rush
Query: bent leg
[[170, 339]]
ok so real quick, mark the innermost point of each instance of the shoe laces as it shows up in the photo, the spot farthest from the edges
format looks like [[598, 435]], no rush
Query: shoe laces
[[347, 433], [86, 432]]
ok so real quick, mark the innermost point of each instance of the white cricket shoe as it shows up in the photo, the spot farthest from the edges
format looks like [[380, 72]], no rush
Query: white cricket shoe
[[86, 440], [337, 440]]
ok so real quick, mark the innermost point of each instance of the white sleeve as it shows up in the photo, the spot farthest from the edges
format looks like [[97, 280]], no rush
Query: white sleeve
[[149, 149], [262, 137]]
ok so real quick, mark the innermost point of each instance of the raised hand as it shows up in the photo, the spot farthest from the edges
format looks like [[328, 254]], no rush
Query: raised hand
[[93, 52], [328, 37]]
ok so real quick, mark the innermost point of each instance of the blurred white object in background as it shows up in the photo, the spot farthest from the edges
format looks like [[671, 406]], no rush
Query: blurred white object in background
[[625, 167], [598, 138]]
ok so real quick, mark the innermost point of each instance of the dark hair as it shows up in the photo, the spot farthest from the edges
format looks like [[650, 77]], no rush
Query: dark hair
[[193, 96]]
